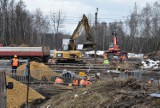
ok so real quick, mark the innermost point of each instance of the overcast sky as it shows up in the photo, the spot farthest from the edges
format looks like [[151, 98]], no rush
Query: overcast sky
[[108, 10]]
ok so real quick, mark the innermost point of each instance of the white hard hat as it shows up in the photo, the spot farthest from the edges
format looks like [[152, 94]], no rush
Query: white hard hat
[[15, 56]]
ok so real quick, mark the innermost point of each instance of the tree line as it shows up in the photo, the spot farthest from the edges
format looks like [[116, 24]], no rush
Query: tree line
[[139, 33]]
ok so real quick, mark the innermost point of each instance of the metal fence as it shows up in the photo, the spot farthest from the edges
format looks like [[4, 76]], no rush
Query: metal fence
[[48, 76]]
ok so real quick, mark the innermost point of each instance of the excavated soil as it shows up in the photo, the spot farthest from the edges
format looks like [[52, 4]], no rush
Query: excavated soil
[[39, 70], [129, 93], [116, 93], [17, 96]]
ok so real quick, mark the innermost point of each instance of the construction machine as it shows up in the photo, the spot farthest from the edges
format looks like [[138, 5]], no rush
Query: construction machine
[[70, 53], [114, 51]]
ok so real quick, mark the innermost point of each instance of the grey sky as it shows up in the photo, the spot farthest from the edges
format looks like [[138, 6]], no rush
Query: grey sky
[[109, 10]]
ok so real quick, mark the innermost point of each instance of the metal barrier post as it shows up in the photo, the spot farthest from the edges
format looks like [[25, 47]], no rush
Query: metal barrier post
[[27, 77]]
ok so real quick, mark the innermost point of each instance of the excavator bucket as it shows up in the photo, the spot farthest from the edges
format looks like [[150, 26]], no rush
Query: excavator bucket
[[89, 46]]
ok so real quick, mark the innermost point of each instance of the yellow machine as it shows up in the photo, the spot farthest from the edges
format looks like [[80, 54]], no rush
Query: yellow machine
[[69, 52]]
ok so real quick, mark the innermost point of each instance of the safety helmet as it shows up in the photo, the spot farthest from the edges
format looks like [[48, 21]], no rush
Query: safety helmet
[[15, 56]]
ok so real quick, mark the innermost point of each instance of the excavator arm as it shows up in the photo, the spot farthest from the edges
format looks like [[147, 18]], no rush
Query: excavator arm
[[89, 41], [69, 52], [83, 22]]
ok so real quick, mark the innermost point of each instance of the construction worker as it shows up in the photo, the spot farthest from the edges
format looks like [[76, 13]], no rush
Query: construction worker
[[14, 63], [82, 83], [105, 56], [75, 82], [106, 62], [88, 82], [122, 58], [59, 80]]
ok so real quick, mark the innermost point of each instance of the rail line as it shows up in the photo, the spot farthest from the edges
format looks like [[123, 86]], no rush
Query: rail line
[[69, 66]]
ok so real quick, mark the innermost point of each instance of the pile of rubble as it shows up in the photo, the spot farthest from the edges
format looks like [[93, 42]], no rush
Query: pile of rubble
[[154, 55], [152, 61]]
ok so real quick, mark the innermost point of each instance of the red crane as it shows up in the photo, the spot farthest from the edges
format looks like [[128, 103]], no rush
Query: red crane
[[114, 50]]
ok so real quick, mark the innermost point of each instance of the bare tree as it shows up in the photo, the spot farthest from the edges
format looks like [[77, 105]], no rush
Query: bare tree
[[57, 19], [40, 25], [133, 25], [3, 9]]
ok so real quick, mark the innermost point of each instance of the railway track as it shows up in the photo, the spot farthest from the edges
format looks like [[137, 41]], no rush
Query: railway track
[[78, 67]]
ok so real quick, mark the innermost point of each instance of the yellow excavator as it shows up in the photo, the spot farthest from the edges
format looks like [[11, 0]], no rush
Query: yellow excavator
[[70, 53]]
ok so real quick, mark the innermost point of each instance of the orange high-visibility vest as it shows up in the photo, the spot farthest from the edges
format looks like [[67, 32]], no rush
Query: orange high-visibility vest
[[15, 62], [88, 83], [58, 80], [124, 57], [75, 82], [105, 55], [82, 82]]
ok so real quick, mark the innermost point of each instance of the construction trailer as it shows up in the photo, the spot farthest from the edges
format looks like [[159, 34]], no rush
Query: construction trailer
[[39, 54]]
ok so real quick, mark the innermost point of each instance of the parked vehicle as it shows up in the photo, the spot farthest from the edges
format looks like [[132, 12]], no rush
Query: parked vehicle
[[39, 54]]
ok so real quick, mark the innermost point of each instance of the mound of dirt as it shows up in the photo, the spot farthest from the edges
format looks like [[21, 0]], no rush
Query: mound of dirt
[[154, 55], [17, 96], [13, 45], [123, 66], [39, 70], [108, 94], [23, 45]]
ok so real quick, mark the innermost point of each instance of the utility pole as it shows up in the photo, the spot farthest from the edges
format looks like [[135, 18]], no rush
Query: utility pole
[[95, 37]]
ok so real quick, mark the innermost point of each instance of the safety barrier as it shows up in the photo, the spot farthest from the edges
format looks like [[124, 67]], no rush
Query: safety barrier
[[48, 76]]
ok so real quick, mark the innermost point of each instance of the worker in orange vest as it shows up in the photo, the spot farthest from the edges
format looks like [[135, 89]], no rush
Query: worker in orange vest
[[75, 82], [88, 82], [58, 80], [82, 83], [122, 58], [14, 63], [105, 56]]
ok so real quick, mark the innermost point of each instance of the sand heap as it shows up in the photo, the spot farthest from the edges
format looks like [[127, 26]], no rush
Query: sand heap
[[17, 96], [39, 70], [23, 45]]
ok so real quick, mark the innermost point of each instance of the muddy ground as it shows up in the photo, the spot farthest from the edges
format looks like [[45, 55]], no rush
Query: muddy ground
[[109, 93]]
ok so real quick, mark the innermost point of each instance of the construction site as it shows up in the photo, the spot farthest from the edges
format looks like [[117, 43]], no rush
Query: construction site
[[101, 64], [127, 84]]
